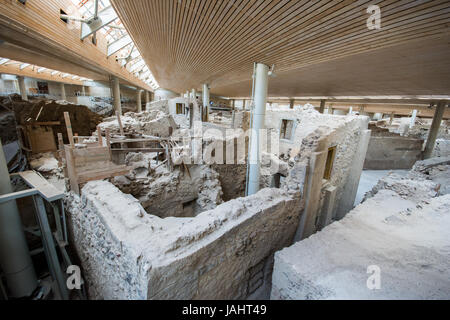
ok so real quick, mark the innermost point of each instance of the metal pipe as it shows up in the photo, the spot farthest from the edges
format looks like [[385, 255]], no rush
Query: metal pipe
[[65, 16], [95, 9], [15, 258], [22, 88], [49, 247], [259, 113], [116, 95], [413, 119], [139, 100], [206, 100], [434, 129], [251, 126], [63, 92]]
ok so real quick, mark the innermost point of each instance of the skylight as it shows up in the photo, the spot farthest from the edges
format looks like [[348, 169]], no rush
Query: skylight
[[129, 55], [38, 69]]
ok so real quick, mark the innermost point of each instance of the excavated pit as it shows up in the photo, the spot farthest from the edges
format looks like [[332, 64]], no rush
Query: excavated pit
[[183, 192]]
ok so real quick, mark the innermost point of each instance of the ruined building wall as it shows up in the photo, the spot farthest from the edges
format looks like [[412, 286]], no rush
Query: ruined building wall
[[224, 253], [401, 226], [311, 137]]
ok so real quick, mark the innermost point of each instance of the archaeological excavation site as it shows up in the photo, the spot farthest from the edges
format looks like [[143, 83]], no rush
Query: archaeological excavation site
[[224, 150]]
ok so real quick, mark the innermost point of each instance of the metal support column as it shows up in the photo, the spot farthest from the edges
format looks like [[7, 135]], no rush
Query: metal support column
[[259, 112], [139, 100], [413, 119], [233, 116], [22, 88], [206, 100], [15, 258], [116, 95], [63, 92], [49, 247], [391, 118], [437, 119], [322, 106]]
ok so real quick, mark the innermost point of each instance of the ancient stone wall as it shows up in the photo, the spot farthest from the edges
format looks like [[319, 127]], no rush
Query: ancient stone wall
[[224, 253]]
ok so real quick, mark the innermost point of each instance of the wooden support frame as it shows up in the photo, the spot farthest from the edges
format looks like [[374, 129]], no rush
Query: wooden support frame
[[93, 162]]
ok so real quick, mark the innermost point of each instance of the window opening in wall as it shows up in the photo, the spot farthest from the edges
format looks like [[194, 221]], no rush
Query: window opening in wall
[[189, 208], [286, 129], [329, 163], [42, 87], [179, 108], [277, 180]]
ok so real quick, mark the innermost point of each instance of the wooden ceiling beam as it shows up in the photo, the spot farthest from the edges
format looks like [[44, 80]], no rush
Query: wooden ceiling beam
[[37, 27], [32, 72]]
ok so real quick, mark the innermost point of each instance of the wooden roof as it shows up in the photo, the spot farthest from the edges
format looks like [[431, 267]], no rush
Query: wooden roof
[[34, 33], [317, 47]]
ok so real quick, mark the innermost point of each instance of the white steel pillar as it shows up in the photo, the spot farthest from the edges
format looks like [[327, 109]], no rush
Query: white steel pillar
[[193, 94], [116, 95], [139, 100], [22, 88], [434, 129], [15, 259], [63, 92], [322, 106], [413, 119], [260, 98], [206, 100]]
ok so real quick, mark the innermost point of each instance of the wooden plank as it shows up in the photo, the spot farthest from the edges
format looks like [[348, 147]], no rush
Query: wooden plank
[[139, 149], [108, 142], [69, 129], [90, 156], [71, 170], [46, 190], [104, 173], [99, 134], [138, 140], [47, 123], [41, 139], [120, 123]]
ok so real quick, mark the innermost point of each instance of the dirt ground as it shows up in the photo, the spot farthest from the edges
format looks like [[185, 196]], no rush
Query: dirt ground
[[84, 121]]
